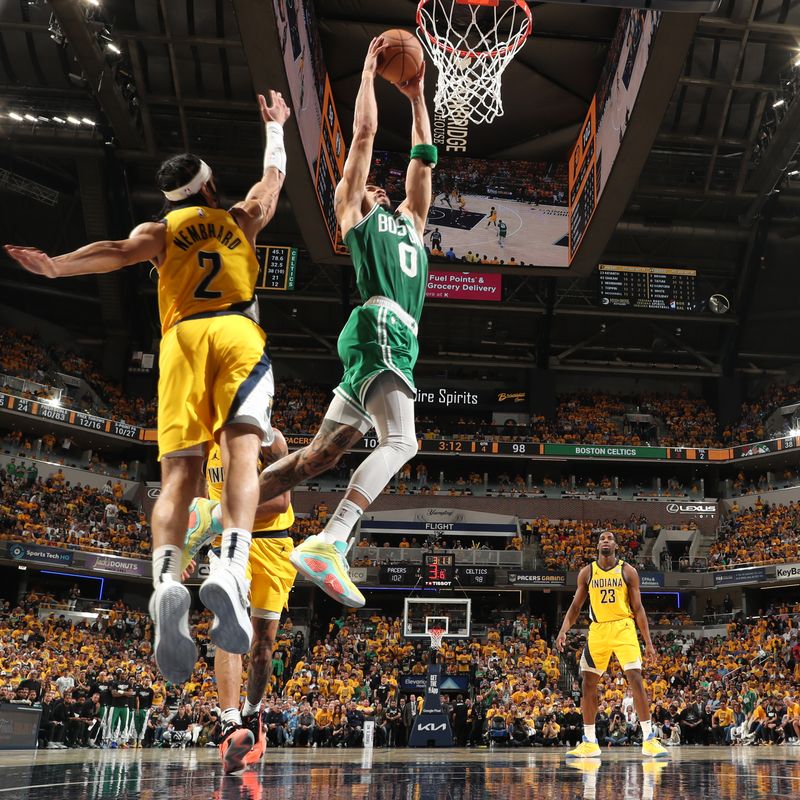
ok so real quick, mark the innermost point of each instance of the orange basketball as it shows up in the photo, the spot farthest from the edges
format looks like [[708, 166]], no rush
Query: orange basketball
[[402, 58]]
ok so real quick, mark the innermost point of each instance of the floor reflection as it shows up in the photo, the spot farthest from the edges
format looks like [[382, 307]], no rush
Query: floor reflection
[[401, 775]]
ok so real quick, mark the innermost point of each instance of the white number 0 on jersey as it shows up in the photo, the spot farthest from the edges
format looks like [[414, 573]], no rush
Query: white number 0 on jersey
[[408, 259]]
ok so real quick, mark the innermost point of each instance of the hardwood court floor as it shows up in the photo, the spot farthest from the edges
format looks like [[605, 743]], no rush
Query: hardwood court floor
[[455, 774]]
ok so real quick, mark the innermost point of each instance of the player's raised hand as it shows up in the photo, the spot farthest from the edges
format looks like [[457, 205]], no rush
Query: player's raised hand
[[376, 47], [278, 111], [33, 260], [416, 86], [189, 571], [561, 642]]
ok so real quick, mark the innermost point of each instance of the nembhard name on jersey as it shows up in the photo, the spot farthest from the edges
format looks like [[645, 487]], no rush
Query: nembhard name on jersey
[[607, 583], [191, 234]]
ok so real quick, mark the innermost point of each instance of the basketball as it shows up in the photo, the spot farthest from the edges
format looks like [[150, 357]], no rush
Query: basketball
[[402, 58]]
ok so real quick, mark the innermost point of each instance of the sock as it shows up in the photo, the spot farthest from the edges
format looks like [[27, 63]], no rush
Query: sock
[[235, 549], [588, 732], [342, 522], [231, 715], [166, 564], [248, 709], [647, 727]]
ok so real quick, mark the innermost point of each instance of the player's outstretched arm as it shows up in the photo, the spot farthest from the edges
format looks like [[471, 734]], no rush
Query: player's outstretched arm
[[574, 610], [258, 208], [419, 182], [146, 243], [631, 577], [350, 190]]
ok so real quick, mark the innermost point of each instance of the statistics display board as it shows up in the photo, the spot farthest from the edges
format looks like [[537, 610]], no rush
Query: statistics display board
[[648, 288], [276, 268]]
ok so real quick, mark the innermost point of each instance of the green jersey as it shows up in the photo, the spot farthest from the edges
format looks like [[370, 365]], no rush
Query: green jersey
[[389, 259], [501, 229]]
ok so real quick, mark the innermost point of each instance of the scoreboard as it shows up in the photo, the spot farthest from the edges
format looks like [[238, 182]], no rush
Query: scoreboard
[[583, 179], [329, 166], [439, 570], [276, 268], [648, 288]]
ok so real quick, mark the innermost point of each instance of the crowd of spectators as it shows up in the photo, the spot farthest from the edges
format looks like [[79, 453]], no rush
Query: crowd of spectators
[[57, 513], [569, 544], [98, 685], [764, 534], [25, 356]]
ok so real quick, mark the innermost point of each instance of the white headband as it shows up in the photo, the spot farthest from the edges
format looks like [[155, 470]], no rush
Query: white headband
[[193, 187]]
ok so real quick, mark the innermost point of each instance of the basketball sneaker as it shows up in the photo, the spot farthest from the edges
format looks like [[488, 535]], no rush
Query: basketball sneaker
[[226, 594], [585, 749], [252, 722], [653, 748], [174, 650], [234, 747], [201, 530], [325, 565]]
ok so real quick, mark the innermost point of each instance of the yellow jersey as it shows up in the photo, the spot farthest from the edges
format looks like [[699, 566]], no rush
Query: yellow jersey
[[608, 594], [208, 266], [215, 477]]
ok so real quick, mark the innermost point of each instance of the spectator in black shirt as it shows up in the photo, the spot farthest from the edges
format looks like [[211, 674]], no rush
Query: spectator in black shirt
[[33, 682], [460, 715], [571, 724], [691, 721], [276, 725]]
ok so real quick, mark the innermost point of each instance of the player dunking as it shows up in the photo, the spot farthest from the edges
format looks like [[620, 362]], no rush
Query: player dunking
[[378, 345], [215, 380], [612, 587], [271, 578]]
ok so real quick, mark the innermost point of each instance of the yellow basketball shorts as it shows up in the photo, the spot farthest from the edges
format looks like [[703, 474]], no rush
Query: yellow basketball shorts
[[271, 576], [617, 637], [214, 371]]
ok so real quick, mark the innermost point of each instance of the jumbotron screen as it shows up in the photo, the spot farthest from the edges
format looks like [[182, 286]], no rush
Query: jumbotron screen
[[474, 199]]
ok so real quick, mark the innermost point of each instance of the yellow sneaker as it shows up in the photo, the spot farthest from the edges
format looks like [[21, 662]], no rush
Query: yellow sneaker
[[325, 565], [653, 748], [585, 749], [200, 529]]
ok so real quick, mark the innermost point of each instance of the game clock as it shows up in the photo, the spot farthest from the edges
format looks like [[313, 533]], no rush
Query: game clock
[[439, 570]]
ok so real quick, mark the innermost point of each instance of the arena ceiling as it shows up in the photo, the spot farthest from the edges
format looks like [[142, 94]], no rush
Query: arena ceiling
[[182, 81]]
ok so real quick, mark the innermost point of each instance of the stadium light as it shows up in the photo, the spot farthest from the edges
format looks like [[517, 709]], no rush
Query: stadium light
[[87, 121], [797, 61], [779, 103], [59, 120], [95, 3], [794, 173], [15, 116], [73, 120], [794, 431], [30, 118], [113, 48]]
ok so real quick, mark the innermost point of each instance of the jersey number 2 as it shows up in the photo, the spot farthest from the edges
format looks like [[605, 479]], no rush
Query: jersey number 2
[[408, 259], [213, 263]]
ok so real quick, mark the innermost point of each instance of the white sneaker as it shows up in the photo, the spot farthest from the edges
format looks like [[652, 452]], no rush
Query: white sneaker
[[226, 594], [174, 649]]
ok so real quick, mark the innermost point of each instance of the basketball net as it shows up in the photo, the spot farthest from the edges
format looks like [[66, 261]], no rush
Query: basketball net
[[436, 634], [471, 42]]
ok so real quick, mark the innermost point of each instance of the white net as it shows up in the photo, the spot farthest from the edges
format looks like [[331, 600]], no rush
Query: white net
[[471, 44], [436, 634]]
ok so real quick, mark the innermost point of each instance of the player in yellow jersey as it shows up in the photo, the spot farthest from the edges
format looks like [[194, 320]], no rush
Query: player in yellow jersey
[[612, 587], [215, 382], [271, 576]]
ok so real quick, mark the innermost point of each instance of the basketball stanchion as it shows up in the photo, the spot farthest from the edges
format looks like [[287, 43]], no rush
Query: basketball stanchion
[[432, 726], [471, 42]]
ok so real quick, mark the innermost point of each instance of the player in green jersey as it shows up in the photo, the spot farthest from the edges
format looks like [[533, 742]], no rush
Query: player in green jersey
[[378, 345]]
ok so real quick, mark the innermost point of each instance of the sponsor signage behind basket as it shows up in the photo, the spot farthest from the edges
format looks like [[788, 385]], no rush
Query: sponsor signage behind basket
[[464, 286], [787, 572], [734, 576]]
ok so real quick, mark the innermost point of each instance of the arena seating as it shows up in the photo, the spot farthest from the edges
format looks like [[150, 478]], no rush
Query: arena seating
[[351, 671], [570, 544], [764, 534]]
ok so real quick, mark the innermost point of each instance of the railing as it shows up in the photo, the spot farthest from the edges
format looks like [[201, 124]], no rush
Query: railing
[[498, 558], [23, 385]]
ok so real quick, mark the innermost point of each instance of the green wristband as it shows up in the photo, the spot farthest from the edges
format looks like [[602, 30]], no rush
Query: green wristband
[[427, 153]]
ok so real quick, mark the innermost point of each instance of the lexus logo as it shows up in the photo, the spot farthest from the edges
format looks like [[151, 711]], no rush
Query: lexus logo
[[680, 508], [154, 493]]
